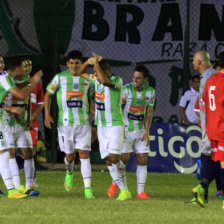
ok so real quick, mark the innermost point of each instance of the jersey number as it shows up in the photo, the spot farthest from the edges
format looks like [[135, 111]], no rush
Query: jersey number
[[212, 105]]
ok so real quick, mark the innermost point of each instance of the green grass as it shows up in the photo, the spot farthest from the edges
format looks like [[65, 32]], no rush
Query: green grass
[[54, 205]]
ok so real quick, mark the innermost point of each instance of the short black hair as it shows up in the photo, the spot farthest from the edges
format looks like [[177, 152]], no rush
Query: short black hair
[[14, 62], [143, 69], [195, 77], [221, 59], [104, 65], [75, 55]]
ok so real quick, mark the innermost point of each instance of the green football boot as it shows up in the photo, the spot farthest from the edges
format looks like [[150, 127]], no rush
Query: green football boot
[[124, 195], [89, 193], [69, 181], [199, 194]]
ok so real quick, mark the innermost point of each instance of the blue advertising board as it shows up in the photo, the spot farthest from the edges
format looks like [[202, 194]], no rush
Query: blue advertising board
[[173, 148]]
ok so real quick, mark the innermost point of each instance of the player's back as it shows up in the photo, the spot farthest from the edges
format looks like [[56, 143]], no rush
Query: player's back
[[214, 106]]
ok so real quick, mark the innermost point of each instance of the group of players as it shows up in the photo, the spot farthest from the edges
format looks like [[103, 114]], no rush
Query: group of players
[[210, 108], [21, 99], [123, 116]]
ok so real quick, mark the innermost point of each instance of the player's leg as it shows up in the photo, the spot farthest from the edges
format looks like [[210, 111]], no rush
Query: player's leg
[[83, 143], [222, 177], [66, 144], [141, 174], [14, 169]]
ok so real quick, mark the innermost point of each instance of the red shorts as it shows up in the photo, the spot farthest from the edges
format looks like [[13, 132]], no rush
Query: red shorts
[[34, 135], [217, 150]]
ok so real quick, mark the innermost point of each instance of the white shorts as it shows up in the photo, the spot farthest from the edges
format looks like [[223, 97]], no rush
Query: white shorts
[[110, 140], [74, 137], [6, 138], [21, 137], [133, 143]]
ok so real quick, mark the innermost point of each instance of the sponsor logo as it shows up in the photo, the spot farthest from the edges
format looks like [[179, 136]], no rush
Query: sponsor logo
[[137, 109], [146, 98], [136, 117], [52, 88], [75, 85], [74, 103], [100, 106], [100, 96], [84, 84], [74, 94]]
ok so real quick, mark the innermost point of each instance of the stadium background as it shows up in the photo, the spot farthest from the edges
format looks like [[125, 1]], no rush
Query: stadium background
[[166, 34]]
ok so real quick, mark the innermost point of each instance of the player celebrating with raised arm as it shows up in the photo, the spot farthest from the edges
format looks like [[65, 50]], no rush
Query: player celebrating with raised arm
[[108, 117], [138, 102], [7, 85], [74, 132], [213, 97]]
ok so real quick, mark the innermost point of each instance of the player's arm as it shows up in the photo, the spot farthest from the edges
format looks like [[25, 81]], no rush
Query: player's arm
[[14, 110], [183, 116], [47, 107], [91, 106], [22, 94], [82, 71], [102, 78], [39, 108], [148, 122]]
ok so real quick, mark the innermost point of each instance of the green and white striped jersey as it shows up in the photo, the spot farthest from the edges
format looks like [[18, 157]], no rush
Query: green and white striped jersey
[[108, 102], [6, 84], [72, 98], [135, 105]]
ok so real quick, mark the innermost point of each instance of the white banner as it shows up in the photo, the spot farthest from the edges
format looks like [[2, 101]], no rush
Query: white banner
[[146, 30]]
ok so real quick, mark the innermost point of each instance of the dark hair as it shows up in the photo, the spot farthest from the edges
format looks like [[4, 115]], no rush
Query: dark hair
[[143, 69], [14, 62], [75, 55], [104, 65], [215, 65], [195, 77], [221, 59]]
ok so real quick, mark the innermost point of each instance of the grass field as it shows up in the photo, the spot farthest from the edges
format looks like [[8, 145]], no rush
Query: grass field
[[54, 205]]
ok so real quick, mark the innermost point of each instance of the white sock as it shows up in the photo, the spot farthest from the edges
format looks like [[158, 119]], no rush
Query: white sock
[[69, 166], [15, 172], [122, 174], [113, 174], [5, 170], [118, 174], [141, 174], [29, 171], [86, 172]]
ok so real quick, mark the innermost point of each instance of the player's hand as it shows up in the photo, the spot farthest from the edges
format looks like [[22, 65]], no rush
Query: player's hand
[[30, 125], [91, 61], [146, 138], [37, 77], [47, 121], [97, 57], [187, 122]]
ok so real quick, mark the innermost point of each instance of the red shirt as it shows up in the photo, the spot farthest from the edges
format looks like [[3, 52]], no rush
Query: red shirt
[[37, 98], [197, 109], [213, 97]]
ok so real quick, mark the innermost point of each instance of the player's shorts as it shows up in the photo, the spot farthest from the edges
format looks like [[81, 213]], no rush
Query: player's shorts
[[21, 136], [74, 137], [217, 150], [34, 136], [133, 142], [6, 139], [111, 140]]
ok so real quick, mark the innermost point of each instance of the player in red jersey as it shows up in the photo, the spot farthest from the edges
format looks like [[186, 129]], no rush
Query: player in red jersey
[[37, 104], [213, 97]]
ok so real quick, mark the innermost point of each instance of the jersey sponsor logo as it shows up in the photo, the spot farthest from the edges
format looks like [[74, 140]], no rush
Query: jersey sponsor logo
[[74, 94], [146, 98], [93, 77], [75, 85], [139, 101], [135, 117], [74, 103], [53, 87], [17, 100], [100, 106], [137, 109], [100, 96], [84, 84]]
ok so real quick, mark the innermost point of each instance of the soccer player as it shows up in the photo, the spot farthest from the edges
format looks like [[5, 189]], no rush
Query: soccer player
[[202, 63], [187, 103], [74, 131], [108, 117], [138, 102], [213, 97], [22, 137], [37, 104], [7, 85]]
